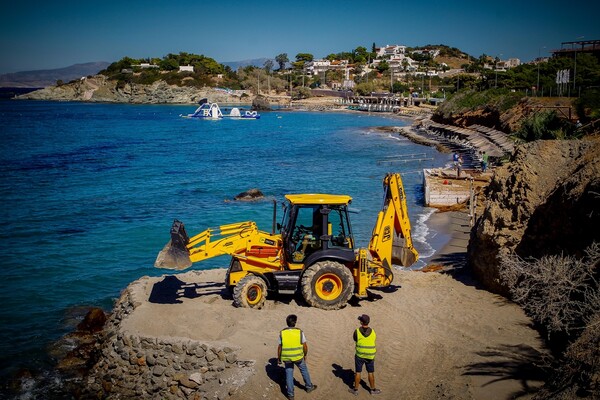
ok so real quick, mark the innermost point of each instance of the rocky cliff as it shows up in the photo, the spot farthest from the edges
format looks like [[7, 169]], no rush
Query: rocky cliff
[[545, 201], [100, 89]]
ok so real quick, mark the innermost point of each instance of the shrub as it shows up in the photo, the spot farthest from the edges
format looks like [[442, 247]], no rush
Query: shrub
[[588, 105], [559, 293], [545, 125], [467, 100]]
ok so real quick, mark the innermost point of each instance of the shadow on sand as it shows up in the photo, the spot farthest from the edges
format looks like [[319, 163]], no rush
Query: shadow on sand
[[171, 289], [520, 363]]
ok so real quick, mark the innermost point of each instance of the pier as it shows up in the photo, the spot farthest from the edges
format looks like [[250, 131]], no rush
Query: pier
[[381, 102]]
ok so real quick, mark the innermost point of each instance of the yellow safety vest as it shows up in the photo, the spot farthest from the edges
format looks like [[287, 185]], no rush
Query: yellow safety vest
[[365, 346], [291, 345]]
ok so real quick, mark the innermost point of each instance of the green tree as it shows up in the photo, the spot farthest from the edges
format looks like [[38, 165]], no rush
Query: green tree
[[365, 88], [282, 59], [544, 125], [304, 57], [268, 65], [169, 64], [383, 66], [588, 105]]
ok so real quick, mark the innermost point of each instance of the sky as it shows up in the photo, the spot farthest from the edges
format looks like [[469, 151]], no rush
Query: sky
[[48, 34]]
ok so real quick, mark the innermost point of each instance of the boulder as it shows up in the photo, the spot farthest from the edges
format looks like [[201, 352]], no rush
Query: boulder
[[94, 321], [261, 103], [250, 195]]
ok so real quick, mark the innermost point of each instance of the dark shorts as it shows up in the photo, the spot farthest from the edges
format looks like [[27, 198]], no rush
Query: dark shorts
[[359, 362]]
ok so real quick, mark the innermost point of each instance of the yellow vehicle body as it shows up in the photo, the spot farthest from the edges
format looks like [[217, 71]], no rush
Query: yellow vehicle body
[[318, 259]]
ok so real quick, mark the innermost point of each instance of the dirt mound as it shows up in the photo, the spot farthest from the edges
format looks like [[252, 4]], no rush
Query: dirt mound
[[545, 201]]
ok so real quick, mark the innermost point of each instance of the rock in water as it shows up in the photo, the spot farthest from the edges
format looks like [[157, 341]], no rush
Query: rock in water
[[261, 103], [94, 321], [250, 195]]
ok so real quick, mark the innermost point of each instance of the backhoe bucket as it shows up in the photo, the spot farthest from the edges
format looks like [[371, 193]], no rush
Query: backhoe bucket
[[175, 254], [402, 254]]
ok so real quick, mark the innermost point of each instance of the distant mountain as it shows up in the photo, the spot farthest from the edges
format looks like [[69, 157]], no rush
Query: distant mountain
[[256, 62], [48, 77]]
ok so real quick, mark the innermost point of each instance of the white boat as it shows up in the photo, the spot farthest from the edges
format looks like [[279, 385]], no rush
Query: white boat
[[213, 111]]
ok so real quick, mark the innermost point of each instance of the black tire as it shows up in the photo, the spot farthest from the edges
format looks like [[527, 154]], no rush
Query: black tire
[[250, 292], [327, 285]]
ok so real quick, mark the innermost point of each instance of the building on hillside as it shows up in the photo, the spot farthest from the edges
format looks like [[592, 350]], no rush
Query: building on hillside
[[390, 51], [503, 65], [508, 64], [539, 60], [433, 53], [399, 63], [317, 67], [186, 68]]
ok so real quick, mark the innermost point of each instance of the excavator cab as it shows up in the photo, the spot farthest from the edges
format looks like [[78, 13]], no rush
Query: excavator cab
[[316, 227]]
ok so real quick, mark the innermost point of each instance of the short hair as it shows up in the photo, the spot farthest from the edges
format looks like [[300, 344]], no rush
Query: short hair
[[291, 320]]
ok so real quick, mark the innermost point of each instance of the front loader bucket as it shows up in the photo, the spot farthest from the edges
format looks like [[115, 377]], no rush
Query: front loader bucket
[[402, 254], [175, 254]]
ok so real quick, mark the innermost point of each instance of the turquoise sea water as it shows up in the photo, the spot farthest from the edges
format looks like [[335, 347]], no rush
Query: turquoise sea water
[[89, 192]]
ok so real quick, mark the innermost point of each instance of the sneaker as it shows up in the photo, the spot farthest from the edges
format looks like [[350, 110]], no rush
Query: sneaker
[[290, 397], [375, 391], [310, 389], [353, 391]]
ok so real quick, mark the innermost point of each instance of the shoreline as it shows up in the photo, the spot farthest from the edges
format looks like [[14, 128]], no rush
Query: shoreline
[[437, 222]]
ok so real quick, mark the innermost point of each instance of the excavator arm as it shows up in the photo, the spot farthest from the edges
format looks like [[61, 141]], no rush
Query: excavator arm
[[242, 239], [391, 241]]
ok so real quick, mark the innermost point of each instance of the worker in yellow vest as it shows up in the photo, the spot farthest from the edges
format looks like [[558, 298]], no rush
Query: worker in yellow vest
[[365, 338], [292, 350]]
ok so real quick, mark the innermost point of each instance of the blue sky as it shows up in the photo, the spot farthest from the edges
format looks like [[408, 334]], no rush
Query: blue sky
[[54, 34]]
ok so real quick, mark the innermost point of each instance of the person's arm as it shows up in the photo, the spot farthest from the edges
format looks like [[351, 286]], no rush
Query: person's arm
[[279, 349], [279, 353], [304, 344]]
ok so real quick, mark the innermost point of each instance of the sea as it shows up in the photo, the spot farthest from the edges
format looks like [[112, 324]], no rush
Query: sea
[[89, 192]]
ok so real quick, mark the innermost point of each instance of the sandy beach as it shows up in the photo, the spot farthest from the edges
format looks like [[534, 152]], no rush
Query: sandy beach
[[438, 334]]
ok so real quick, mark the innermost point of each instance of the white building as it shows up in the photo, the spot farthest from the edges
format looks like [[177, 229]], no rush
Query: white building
[[317, 67], [390, 51], [186, 68], [433, 53]]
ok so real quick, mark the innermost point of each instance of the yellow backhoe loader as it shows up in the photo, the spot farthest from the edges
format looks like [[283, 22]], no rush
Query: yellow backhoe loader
[[314, 251]]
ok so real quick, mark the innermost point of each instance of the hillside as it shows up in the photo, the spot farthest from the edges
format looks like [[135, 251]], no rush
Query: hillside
[[49, 77], [452, 62], [101, 89]]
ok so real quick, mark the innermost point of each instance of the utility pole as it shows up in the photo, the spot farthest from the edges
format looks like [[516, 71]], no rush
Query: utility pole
[[575, 68], [537, 88], [496, 69]]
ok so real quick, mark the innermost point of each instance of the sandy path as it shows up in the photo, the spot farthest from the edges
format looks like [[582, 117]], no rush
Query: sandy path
[[433, 333]]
